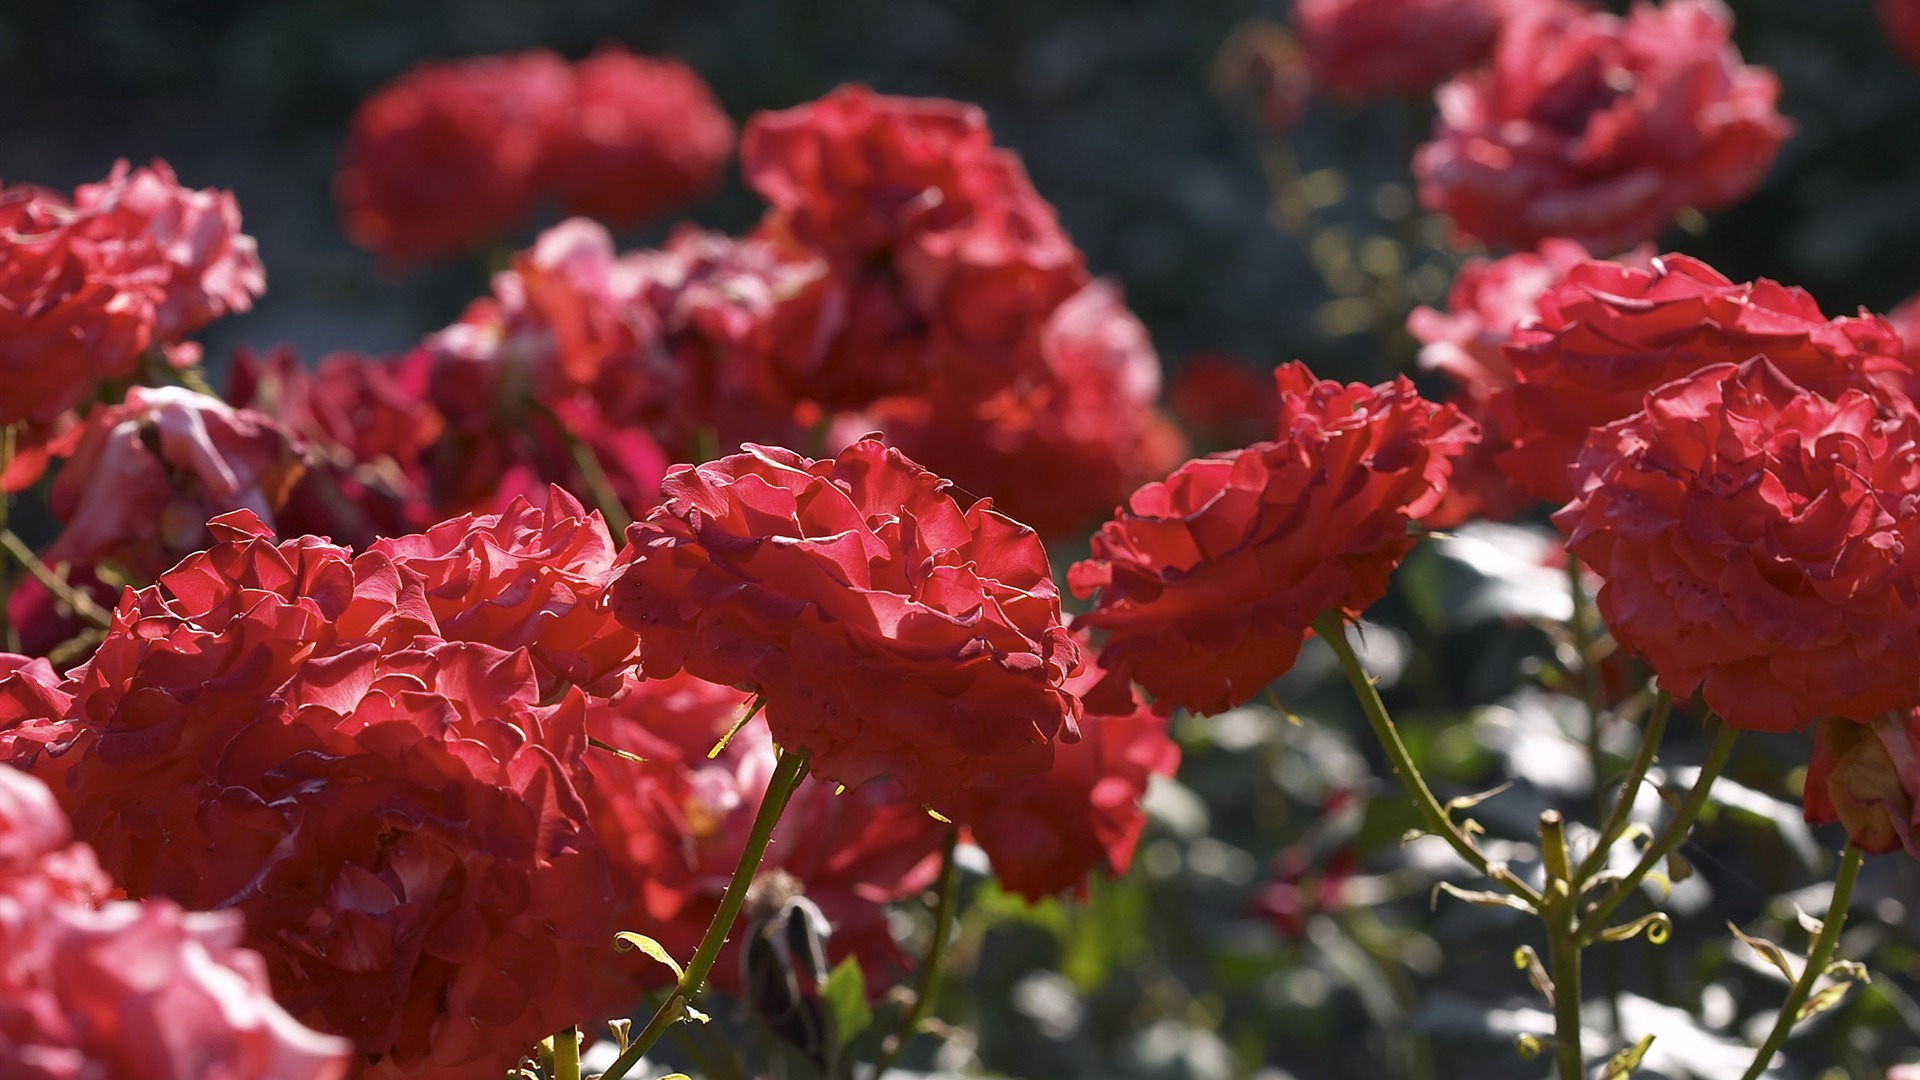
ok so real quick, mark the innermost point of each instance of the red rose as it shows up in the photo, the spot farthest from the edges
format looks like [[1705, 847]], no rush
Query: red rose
[[71, 313], [1751, 534], [1489, 299], [447, 156], [1599, 128], [944, 262], [1209, 581], [526, 578], [1395, 48], [1222, 401], [1089, 412], [126, 990], [1900, 21], [640, 136], [208, 266], [1865, 775], [1610, 332], [280, 730], [732, 315], [366, 431], [675, 826], [559, 353], [149, 473], [1046, 834], [889, 631], [855, 173]]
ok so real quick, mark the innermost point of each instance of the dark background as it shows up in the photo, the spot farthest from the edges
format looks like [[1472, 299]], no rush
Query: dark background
[[1155, 176]]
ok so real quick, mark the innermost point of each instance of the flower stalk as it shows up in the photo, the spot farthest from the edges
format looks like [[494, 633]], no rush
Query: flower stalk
[[787, 774], [1818, 957], [929, 968], [1332, 628], [1670, 838]]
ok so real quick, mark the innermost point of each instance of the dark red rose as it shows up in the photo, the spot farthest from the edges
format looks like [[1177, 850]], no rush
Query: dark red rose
[[1223, 402], [532, 578], [1300, 887], [731, 314], [1865, 776], [639, 137], [1900, 20], [1209, 581], [1600, 129], [148, 473], [1089, 412], [1752, 536], [1047, 834], [889, 631], [560, 353], [1395, 48], [448, 155], [1610, 332], [366, 432]]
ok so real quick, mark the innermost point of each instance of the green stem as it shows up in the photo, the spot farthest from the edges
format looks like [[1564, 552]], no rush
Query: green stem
[[1332, 628], [81, 604], [1817, 960], [1595, 691], [1561, 913], [1674, 834], [930, 967], [787, 774], [1616, 821], [566, 1055]]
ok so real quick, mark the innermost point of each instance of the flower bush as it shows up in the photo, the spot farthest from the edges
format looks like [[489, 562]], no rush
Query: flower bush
[[659, 666]]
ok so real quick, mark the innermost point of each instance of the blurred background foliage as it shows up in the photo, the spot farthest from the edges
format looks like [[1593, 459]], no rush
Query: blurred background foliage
[[1274, 924]]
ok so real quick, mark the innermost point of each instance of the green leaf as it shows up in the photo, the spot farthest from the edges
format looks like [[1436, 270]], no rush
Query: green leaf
[[845, 996], [1624, 1062], [627, 941], [1772, 953], [1823, 999]]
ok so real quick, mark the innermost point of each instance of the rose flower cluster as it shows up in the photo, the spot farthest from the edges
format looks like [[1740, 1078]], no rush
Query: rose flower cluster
[[93, 285], [344, 655], [1743, 474]]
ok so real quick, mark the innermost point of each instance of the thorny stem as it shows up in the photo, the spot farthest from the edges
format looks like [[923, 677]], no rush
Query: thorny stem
[[787, 774], [1817, 959], [930, 967], [1331, 627], [1675, 832], [91, 613], [1561, 913]]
